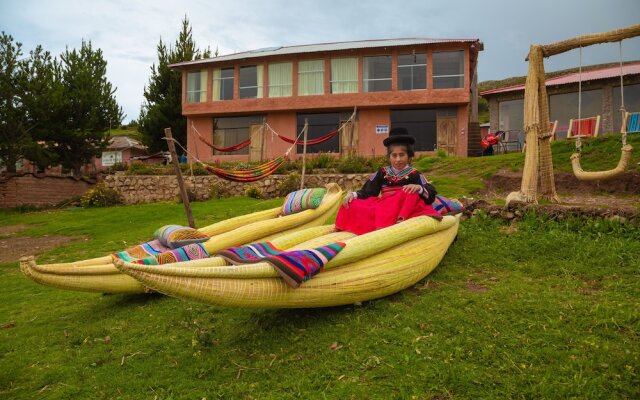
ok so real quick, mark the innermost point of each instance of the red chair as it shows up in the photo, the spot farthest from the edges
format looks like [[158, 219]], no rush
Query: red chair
[[584, 127]]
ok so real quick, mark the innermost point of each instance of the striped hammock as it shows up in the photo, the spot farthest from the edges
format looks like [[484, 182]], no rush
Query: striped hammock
[[242, 145], [249, 175]]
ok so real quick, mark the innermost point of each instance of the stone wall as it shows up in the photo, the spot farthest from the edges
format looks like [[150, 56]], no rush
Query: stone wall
[[39, 190], [147, 189]]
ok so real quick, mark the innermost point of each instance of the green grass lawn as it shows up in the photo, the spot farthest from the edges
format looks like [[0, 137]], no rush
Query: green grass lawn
[[529, 310]]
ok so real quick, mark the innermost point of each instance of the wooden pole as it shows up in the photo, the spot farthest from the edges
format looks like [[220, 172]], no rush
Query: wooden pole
[[591, 39], [176, 166], [304, 152]]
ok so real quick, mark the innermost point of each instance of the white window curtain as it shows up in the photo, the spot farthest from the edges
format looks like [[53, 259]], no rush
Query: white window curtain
[[260, 72], [197, 86], [280, 79], [217, 75], [310, 77], [344, 75]]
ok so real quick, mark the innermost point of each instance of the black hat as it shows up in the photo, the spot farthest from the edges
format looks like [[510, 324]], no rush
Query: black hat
[[399, 136]]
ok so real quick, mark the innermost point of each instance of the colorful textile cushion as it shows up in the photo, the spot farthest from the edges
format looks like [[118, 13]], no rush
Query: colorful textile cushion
[[174, 236], [447, 206], [295, 267], [194, 251], [152, 248], [304, 199]]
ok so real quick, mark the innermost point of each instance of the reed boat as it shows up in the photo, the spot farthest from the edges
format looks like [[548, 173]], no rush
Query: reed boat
[[370, 266], [101, 276]]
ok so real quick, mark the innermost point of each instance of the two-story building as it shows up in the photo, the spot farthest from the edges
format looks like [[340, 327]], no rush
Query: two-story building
[[421, 84]]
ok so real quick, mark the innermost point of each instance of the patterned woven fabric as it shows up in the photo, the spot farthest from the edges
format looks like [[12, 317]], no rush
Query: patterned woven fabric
[[447, 206], [250, 253], [295, 267], [151, 248], [174, 236], [194, 251], [304, 199]]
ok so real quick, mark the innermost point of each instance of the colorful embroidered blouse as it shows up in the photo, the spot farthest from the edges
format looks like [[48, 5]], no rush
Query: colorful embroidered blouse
[[388, 177]]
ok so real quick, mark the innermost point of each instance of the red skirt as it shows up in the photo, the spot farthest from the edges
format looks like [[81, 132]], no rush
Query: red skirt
[[373, 213]]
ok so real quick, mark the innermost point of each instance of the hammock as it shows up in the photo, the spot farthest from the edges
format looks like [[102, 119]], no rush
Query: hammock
[[249, 175], [229, 149], [310, 142]]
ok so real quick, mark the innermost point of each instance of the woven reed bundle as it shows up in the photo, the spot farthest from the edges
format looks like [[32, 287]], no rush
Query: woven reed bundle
[[100, 275], [103, 280], [601, 175], [285, 242], [370, 277], [357, 248]]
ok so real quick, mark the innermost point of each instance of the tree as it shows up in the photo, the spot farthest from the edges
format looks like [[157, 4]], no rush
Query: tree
[[163, 95], [28, 92], [87, 108]]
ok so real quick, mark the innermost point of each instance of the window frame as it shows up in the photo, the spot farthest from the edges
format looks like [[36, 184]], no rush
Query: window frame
[[333, 81], [307, 74], [201, 92], [412, 67], [365, 71], [461, 75]]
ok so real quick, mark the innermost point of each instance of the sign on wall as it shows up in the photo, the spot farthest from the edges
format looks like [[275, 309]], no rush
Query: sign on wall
[[382, 129], [109, 158]]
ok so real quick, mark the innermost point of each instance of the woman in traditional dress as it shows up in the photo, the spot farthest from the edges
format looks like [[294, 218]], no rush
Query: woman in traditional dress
[[406, 193]]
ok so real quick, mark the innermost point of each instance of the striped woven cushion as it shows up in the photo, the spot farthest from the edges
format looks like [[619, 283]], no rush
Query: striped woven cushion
[[302, 200], [447, 206], [174, 236]]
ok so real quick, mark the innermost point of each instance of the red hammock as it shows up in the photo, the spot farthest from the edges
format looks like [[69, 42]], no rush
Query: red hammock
[[229, 149], [311, 142], [249, 175]]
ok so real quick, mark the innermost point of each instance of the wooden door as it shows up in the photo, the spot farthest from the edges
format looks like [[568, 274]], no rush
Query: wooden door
[[256, 148], [447, 134]]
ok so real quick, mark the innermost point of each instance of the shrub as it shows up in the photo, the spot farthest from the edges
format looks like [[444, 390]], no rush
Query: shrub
[[195, 169], [441, 153], [254, 192], [117, 167], [354, 164], [290, 184], [219, 190], [100, 196]]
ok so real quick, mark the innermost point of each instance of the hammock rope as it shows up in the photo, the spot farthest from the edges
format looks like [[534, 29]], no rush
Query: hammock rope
[[626, 150], [310, 142]]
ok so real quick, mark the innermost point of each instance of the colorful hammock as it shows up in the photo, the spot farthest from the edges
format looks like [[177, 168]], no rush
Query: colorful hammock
[[249, 175], [229, 149], [310, 142]]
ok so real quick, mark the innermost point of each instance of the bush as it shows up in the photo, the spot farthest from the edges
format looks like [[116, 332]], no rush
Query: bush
[[290, 184], [254, 192], [197, 170], [354, 165], [100, 196], [117, 167], [219, 190]]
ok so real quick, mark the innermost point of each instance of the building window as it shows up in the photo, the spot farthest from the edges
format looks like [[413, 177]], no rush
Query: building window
[[631, 103], [251, 82], [197, 87], [448, 69], [280, 79], [228, 131], [320, 125], [310, 77], [412, 71], [563, 107], [223, 84], [377, 73], [344, 75], [511, 115]]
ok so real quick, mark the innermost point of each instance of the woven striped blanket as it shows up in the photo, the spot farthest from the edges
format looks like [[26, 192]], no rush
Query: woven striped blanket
[[295, 267]]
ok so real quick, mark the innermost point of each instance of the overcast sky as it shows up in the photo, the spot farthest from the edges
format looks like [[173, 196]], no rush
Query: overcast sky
[[128, 31]]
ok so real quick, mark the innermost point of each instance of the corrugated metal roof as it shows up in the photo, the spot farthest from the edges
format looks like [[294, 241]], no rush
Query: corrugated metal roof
[[123, 143], [604, 73], [314, 48]]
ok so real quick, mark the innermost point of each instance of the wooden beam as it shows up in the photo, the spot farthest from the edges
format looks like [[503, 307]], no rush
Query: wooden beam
[[176, 166], [591, 39]]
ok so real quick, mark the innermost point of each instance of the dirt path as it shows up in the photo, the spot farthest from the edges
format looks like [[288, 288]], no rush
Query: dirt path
[[13, 245]]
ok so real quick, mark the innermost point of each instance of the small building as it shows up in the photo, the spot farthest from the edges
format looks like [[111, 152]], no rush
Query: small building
[[600, 95], [121, 150], [421, 84]]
